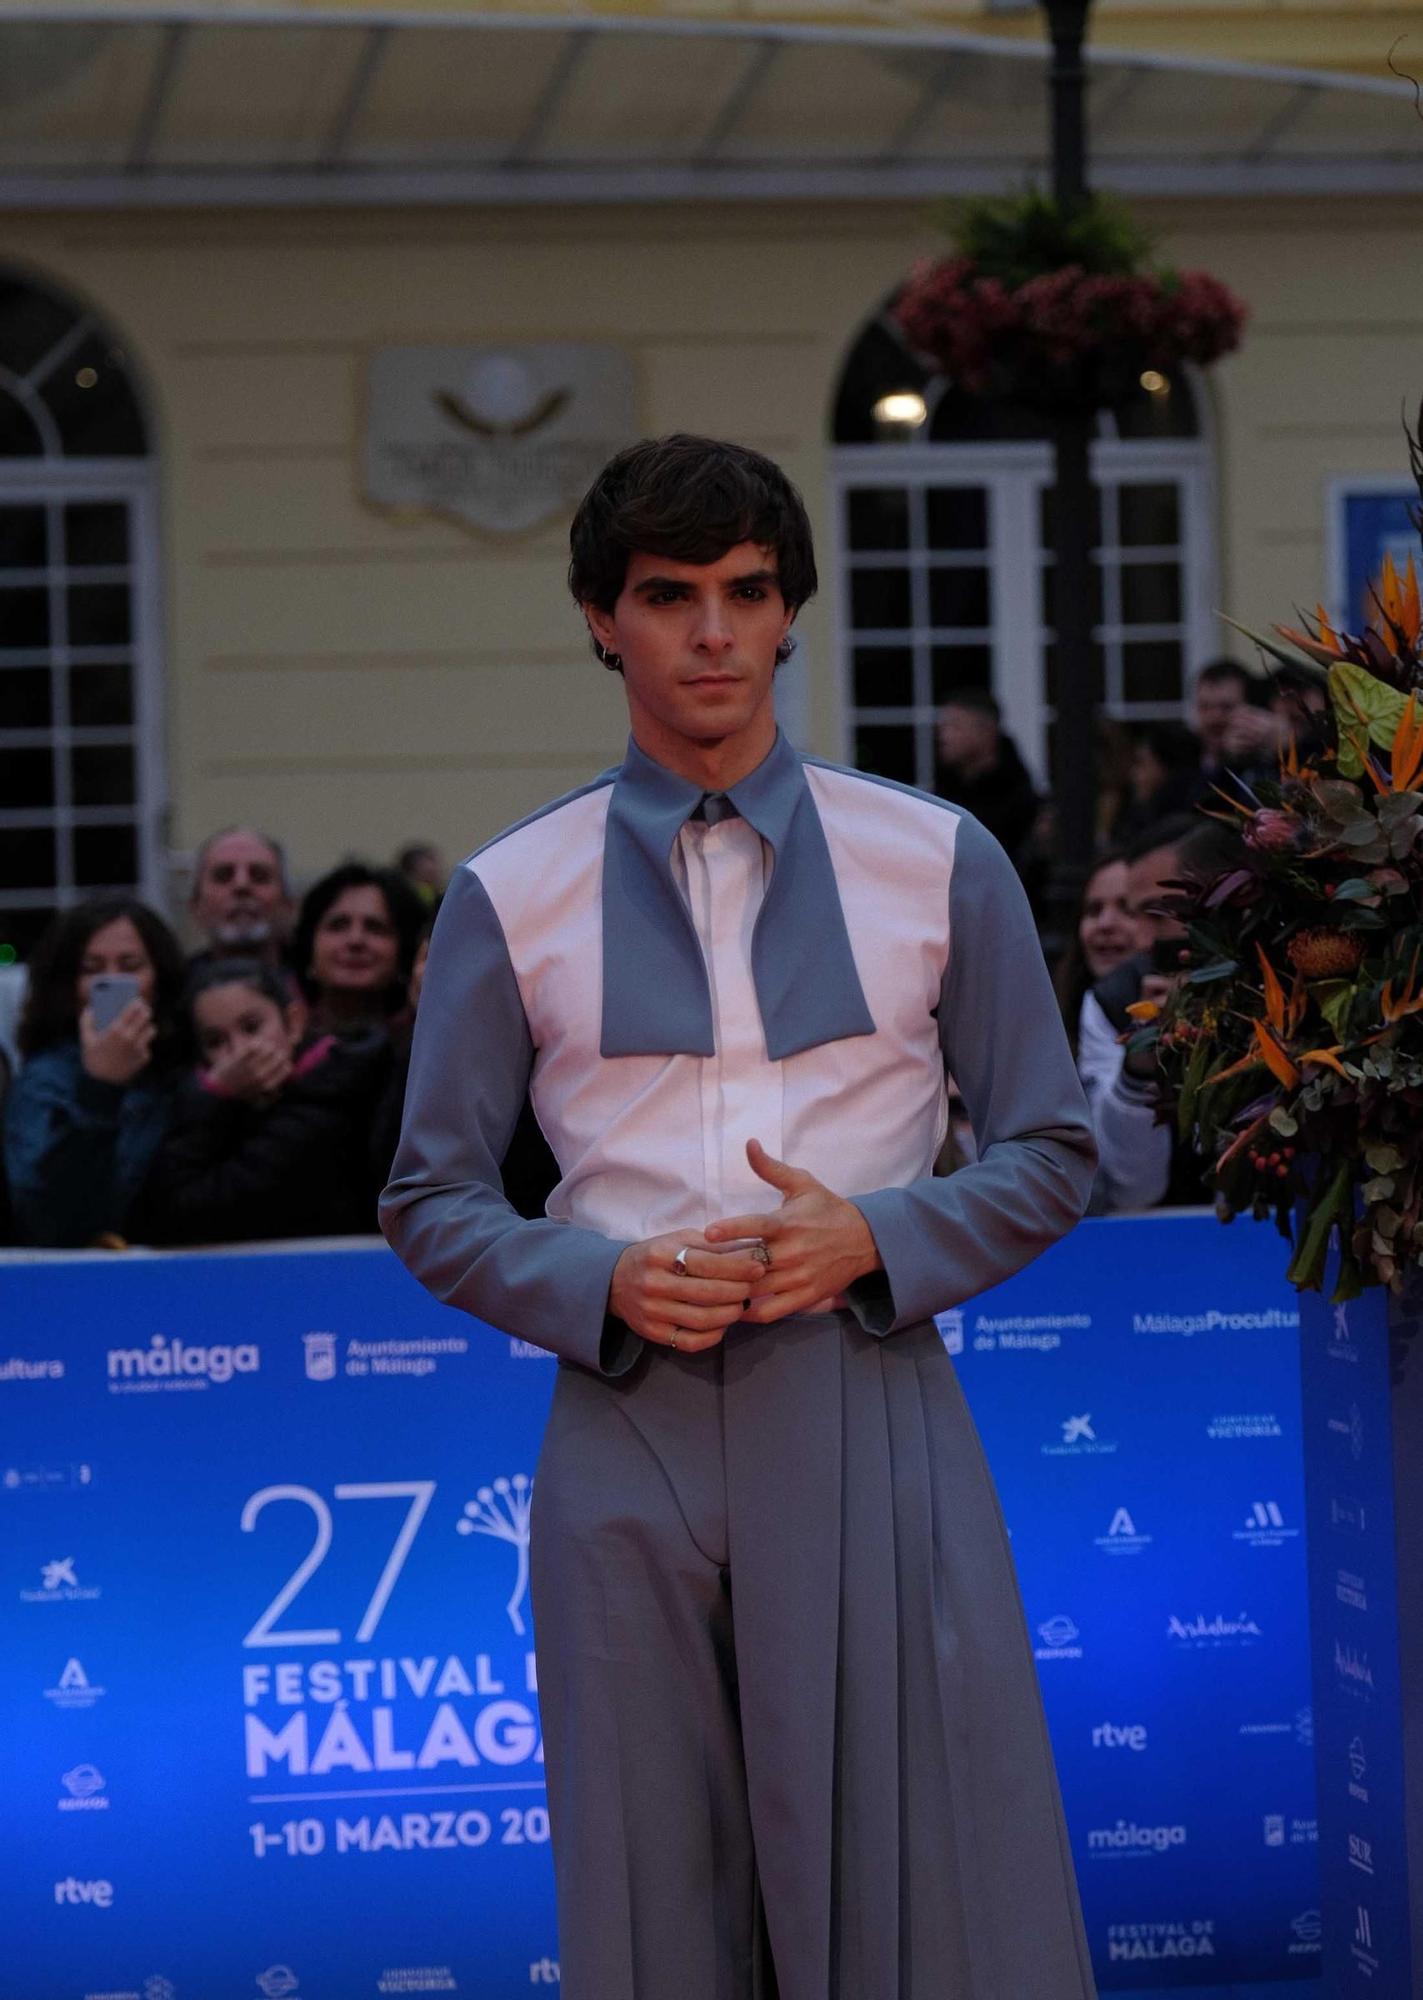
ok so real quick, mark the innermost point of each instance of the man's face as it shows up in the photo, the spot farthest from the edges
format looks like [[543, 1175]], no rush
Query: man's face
[[698, 644], [1146, 880], [965, 735], [238, 900], [1216, 704]]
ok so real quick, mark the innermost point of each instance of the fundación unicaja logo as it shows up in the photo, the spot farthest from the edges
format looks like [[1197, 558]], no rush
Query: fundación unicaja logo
[[1059, 1639], [501, 1511], [320, 1356], [87, 1788]]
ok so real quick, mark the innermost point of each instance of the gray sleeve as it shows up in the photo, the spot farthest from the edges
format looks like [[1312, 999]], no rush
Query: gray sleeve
[[943, 1241], [444, 1212]]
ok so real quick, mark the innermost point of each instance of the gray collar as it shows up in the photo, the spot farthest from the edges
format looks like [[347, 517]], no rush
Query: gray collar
[[656, 999]]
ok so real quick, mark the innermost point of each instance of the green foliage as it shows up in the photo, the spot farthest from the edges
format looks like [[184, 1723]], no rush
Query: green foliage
[[1018, 237]]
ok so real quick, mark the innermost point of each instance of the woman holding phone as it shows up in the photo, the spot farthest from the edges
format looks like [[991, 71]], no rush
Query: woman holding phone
[[98, 1042]]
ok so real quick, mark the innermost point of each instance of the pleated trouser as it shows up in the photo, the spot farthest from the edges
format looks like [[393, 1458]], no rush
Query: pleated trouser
[[795, 1744]]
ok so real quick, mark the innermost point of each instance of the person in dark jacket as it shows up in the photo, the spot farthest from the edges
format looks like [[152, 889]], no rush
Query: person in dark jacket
[[529, 1171], [980, 769], [89, 1107], [271, 1137]]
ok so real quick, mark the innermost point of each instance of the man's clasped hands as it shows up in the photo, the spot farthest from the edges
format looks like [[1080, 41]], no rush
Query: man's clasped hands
[[818, 1244]]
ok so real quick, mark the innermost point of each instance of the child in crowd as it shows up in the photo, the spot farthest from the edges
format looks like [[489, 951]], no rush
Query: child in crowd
[[271, 1137], [89, 1107]]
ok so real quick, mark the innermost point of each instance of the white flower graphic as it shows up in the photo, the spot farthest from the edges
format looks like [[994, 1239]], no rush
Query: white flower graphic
[[501, 1510]]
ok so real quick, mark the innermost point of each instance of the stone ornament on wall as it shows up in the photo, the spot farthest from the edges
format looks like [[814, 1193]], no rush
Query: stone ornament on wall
[[498, 438]]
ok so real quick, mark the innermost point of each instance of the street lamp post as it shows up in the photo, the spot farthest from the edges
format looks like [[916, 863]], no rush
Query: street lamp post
[[1075, 701]]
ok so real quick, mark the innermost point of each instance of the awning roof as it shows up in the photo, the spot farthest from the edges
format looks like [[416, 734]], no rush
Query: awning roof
[[194, 106]]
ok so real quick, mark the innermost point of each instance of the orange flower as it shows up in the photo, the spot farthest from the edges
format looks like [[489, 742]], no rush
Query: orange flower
[[1323, 953], [1406, 754], [1274, 1057]]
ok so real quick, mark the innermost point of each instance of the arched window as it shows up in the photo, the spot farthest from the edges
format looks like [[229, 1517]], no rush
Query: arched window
[[945, 511], [79, 722]]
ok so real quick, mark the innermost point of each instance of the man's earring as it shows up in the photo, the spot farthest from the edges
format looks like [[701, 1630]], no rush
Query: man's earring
[[613, 662]]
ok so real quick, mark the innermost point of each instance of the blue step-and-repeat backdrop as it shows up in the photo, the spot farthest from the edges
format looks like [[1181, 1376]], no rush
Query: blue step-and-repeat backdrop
[[271, 1719]]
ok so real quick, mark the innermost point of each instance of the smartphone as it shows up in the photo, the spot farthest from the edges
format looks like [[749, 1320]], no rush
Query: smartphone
[[109, 994], [1165, 955]]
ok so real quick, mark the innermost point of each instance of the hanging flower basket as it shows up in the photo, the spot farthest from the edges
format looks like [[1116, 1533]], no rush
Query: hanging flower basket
[[1058, 309]]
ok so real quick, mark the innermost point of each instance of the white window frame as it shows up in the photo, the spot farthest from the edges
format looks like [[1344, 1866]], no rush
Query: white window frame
[[1014, 475], [56, 482]]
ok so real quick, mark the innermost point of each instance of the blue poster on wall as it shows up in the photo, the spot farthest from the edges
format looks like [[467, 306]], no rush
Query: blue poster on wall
[[266, 1659], [266, 1633], [1137, 1392], [1369, 519]]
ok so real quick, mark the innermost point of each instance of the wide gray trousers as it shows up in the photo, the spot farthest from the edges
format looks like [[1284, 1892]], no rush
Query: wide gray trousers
[[795, 1745]]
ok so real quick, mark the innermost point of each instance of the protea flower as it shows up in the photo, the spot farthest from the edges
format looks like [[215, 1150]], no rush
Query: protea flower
[[1322, 953], [1274, 832]]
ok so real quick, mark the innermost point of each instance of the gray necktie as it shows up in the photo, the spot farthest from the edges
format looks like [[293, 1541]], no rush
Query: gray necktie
[[714, 808]]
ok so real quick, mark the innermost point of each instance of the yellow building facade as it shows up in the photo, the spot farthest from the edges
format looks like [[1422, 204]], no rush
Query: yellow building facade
[[349, 678]]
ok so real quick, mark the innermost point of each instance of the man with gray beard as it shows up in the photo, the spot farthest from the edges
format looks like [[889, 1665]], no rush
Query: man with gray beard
[[240, 900]]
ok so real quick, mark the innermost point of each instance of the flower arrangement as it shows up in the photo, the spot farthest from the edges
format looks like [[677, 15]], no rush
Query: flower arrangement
[[1058, 307], [1291, 1048]]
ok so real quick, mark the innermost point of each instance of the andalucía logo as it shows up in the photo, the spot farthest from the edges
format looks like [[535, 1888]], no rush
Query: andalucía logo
[[74, 1688], [20, 1369], [86, 1786], [59, 1584], [1353, 1669], [172, 1364], [1218, 1631]]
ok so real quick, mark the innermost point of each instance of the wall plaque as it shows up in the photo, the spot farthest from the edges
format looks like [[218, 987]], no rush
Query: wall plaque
[[501, 438]]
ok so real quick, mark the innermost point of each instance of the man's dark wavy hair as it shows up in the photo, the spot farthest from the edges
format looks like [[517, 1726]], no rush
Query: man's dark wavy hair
[[690, 498]]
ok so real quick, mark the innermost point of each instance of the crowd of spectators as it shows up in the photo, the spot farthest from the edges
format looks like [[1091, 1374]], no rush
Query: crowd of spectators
[[252, 1088], [1122, 946], [249, 1090]]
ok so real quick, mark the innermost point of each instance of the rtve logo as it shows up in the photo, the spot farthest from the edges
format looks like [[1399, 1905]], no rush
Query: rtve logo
[[99, 1894], [1119, 1736]]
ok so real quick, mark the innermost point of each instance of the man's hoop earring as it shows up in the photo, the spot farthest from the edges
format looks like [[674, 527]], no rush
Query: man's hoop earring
[[613, 662]]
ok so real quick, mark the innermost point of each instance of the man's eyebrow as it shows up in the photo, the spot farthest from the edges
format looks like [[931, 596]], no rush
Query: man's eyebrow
[[651, 583]]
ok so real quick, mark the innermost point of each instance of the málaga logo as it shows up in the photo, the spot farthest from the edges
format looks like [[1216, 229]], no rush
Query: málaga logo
[[501, 1510], [1126, 1837], [173, 1364]]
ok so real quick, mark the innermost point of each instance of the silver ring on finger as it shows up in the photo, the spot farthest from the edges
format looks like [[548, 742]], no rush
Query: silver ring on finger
[[679, 1262], [675, 1348], [761, 1252]]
